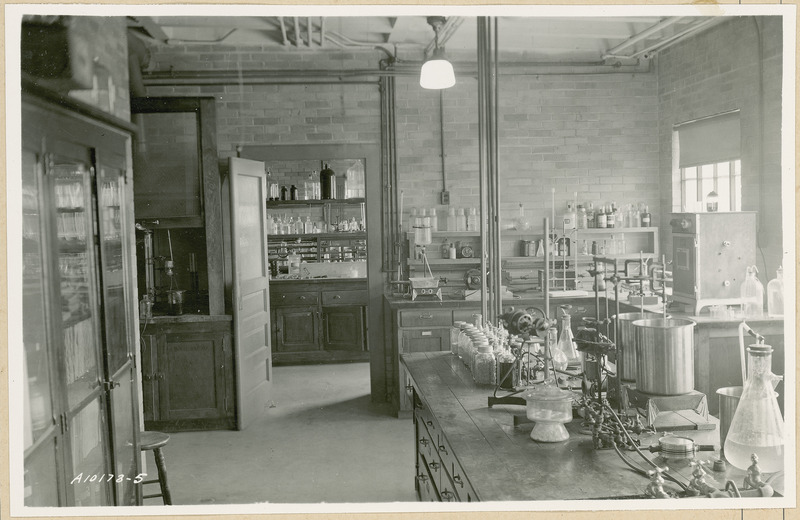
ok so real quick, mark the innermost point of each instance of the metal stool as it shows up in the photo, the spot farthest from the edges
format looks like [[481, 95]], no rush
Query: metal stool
[[155, 441]]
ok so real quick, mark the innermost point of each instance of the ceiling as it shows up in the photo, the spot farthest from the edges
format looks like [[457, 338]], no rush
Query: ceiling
[[534, 39]]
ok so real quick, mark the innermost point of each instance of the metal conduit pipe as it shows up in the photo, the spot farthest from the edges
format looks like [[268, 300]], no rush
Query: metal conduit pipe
[[494, 179], [283, 31], [298, 38], [483, 97], [309, 31], [636, 38], [673, 39], [445, 33], [322, 21]]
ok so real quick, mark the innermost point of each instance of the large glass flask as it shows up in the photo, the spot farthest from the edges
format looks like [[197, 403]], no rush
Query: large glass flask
[[566, 341], [757, 425]]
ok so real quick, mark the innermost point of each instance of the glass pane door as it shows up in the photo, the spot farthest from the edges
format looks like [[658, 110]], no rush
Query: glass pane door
[[90, 478], [125, 429], [110, 202], [76, 264]]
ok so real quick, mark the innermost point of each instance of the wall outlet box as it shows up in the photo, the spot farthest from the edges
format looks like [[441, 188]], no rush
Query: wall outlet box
[[445, 197]]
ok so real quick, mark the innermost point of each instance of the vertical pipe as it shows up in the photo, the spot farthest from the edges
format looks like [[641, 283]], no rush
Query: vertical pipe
[[482, 150], [298, 38], [495, 175], [546, 242], [309, 30]]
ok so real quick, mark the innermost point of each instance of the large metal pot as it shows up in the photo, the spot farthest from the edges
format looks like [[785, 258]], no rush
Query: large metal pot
[[664, 356], [627, 342]]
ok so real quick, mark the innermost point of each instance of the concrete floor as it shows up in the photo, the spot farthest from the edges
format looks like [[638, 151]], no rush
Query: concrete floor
[[323, 441]]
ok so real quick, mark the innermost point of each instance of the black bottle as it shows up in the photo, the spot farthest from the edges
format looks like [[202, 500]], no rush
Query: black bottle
[[284, 193], [327, 180], [293, 192]]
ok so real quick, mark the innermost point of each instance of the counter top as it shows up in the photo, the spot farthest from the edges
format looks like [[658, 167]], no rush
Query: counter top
[[500, 460], [321, 281], [187, 318]]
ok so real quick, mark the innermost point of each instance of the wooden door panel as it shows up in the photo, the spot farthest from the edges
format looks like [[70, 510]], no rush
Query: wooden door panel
[[193, 385], [297, 329], [344, 328]]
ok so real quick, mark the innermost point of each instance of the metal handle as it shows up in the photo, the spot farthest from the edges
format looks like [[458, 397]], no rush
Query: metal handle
[[458, 480], [426, 316], [434, 466], [726, 243], [337, 297], [726, 283], [422, 478], [429, 423], [302, 297], [447, 495], [443, 448], [424, 442]]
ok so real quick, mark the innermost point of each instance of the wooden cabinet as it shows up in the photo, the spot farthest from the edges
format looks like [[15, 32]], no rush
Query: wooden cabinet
[[319, 321], [80, 410], [187, 373]]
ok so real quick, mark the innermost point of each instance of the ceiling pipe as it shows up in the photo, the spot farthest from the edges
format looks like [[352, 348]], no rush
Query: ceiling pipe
[[347, 42], [636, 38], [673, 39], [322, 31], [309, 30]]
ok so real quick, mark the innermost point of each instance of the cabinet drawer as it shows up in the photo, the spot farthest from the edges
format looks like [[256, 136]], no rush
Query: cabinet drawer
[[294, 298], [426, 318], [426, 490], [345, 298], [452, 469], [467, 315], [426, 340]]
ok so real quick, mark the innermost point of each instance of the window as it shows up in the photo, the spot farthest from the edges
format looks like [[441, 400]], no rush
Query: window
[[706, 158]]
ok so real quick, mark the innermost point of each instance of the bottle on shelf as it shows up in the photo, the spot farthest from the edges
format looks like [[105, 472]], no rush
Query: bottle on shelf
[[317, 185], [284, 193], [591, 215], [293, 193], [620, 218], [271, 227], [611, 247], [450, 221], [445, 249], [274, 190], [568, 218], [434, 220], [452, 251], [611, 216], [601, 218], [646, 217], [582, 222], [472, 220], [620, 247], [308, 226], [775, 295], [299, 229], [289, 226], [461, 220], [308, 187], [327, 179]]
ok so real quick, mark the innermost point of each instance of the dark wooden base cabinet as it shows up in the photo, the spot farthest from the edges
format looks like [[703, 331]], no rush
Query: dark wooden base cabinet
[[319, 321], [187, 373]]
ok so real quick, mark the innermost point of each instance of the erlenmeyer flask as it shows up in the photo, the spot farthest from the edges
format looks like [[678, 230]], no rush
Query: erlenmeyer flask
[[757, 425], [566, 341]]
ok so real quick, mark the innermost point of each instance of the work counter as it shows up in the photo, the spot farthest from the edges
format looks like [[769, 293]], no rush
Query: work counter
[[467, 451]]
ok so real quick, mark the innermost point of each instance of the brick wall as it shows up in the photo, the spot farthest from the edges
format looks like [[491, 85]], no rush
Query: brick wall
[[715, 72], [591, 134]]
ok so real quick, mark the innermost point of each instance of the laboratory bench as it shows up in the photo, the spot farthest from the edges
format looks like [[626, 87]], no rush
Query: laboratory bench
[[466, 451]]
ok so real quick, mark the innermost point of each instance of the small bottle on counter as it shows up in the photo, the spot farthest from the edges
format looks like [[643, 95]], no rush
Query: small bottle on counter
[[452, 251]]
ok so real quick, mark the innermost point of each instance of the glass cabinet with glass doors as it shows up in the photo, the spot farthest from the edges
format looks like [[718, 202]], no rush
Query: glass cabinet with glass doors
[[81, 422]]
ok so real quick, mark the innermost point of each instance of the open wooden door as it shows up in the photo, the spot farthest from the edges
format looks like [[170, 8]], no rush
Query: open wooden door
[[251, 327]]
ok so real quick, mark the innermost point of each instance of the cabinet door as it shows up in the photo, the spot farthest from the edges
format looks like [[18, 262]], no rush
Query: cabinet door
[[150, 377], [296, 329], [343, 328], [425, 340], [191, 376]]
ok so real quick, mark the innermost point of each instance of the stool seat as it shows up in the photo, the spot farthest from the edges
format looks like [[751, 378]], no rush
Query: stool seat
[[155, 441], [152, 440]]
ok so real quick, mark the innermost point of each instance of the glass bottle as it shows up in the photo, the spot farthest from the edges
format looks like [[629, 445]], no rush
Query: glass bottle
[[646, 217], [775, 295], [484, 371], [317, 185], [568, 218], [591, 215], [434, 220], [327, 178], [752, 294], [611, 215], [290, 226], [461, 220], [308, 226], [567, 341], [601, 218], [284, 193], [582, 217], [521, 223], [274, 190], [308, 187], [472, 220], [757, 425], [293, 193], [444, 249], [451, 219]]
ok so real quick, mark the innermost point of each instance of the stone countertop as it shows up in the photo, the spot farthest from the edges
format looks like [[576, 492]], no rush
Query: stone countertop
[[287, 281]]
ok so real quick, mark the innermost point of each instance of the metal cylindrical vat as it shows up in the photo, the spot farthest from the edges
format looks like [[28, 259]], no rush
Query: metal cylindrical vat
[[664, 356], [627, 341], [728, 402]]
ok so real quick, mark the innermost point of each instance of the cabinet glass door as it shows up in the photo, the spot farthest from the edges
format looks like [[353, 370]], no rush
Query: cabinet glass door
[[89, 481], [76, 264]]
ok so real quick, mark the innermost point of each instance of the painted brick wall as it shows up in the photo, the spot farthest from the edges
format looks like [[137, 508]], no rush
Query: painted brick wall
[[715, 72], [591, 134]]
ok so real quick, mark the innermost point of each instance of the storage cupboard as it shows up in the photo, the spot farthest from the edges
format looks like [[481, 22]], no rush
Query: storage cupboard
[[80, 406]]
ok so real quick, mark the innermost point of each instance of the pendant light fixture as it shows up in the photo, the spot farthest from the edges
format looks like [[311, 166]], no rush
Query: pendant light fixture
[[437, 72]]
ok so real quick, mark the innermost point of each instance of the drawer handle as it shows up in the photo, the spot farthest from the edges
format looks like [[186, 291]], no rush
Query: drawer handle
[[283, 296], [337, 297], [422, 478], [426, 316], [424, 442], [443, 448], [457, 479], [434, 466], [430, 423], [302, 297], [447, 495]]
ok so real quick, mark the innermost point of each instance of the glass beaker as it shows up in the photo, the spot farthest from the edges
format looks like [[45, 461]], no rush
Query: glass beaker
[[757, 425], [752, 293]]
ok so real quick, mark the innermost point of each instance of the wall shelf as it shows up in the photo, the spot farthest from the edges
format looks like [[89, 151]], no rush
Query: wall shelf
[[274, 204]]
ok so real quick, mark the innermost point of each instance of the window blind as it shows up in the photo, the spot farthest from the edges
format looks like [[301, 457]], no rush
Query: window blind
[[709, 140]]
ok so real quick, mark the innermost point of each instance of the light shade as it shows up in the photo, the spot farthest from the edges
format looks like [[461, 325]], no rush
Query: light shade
[[437, 73]]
